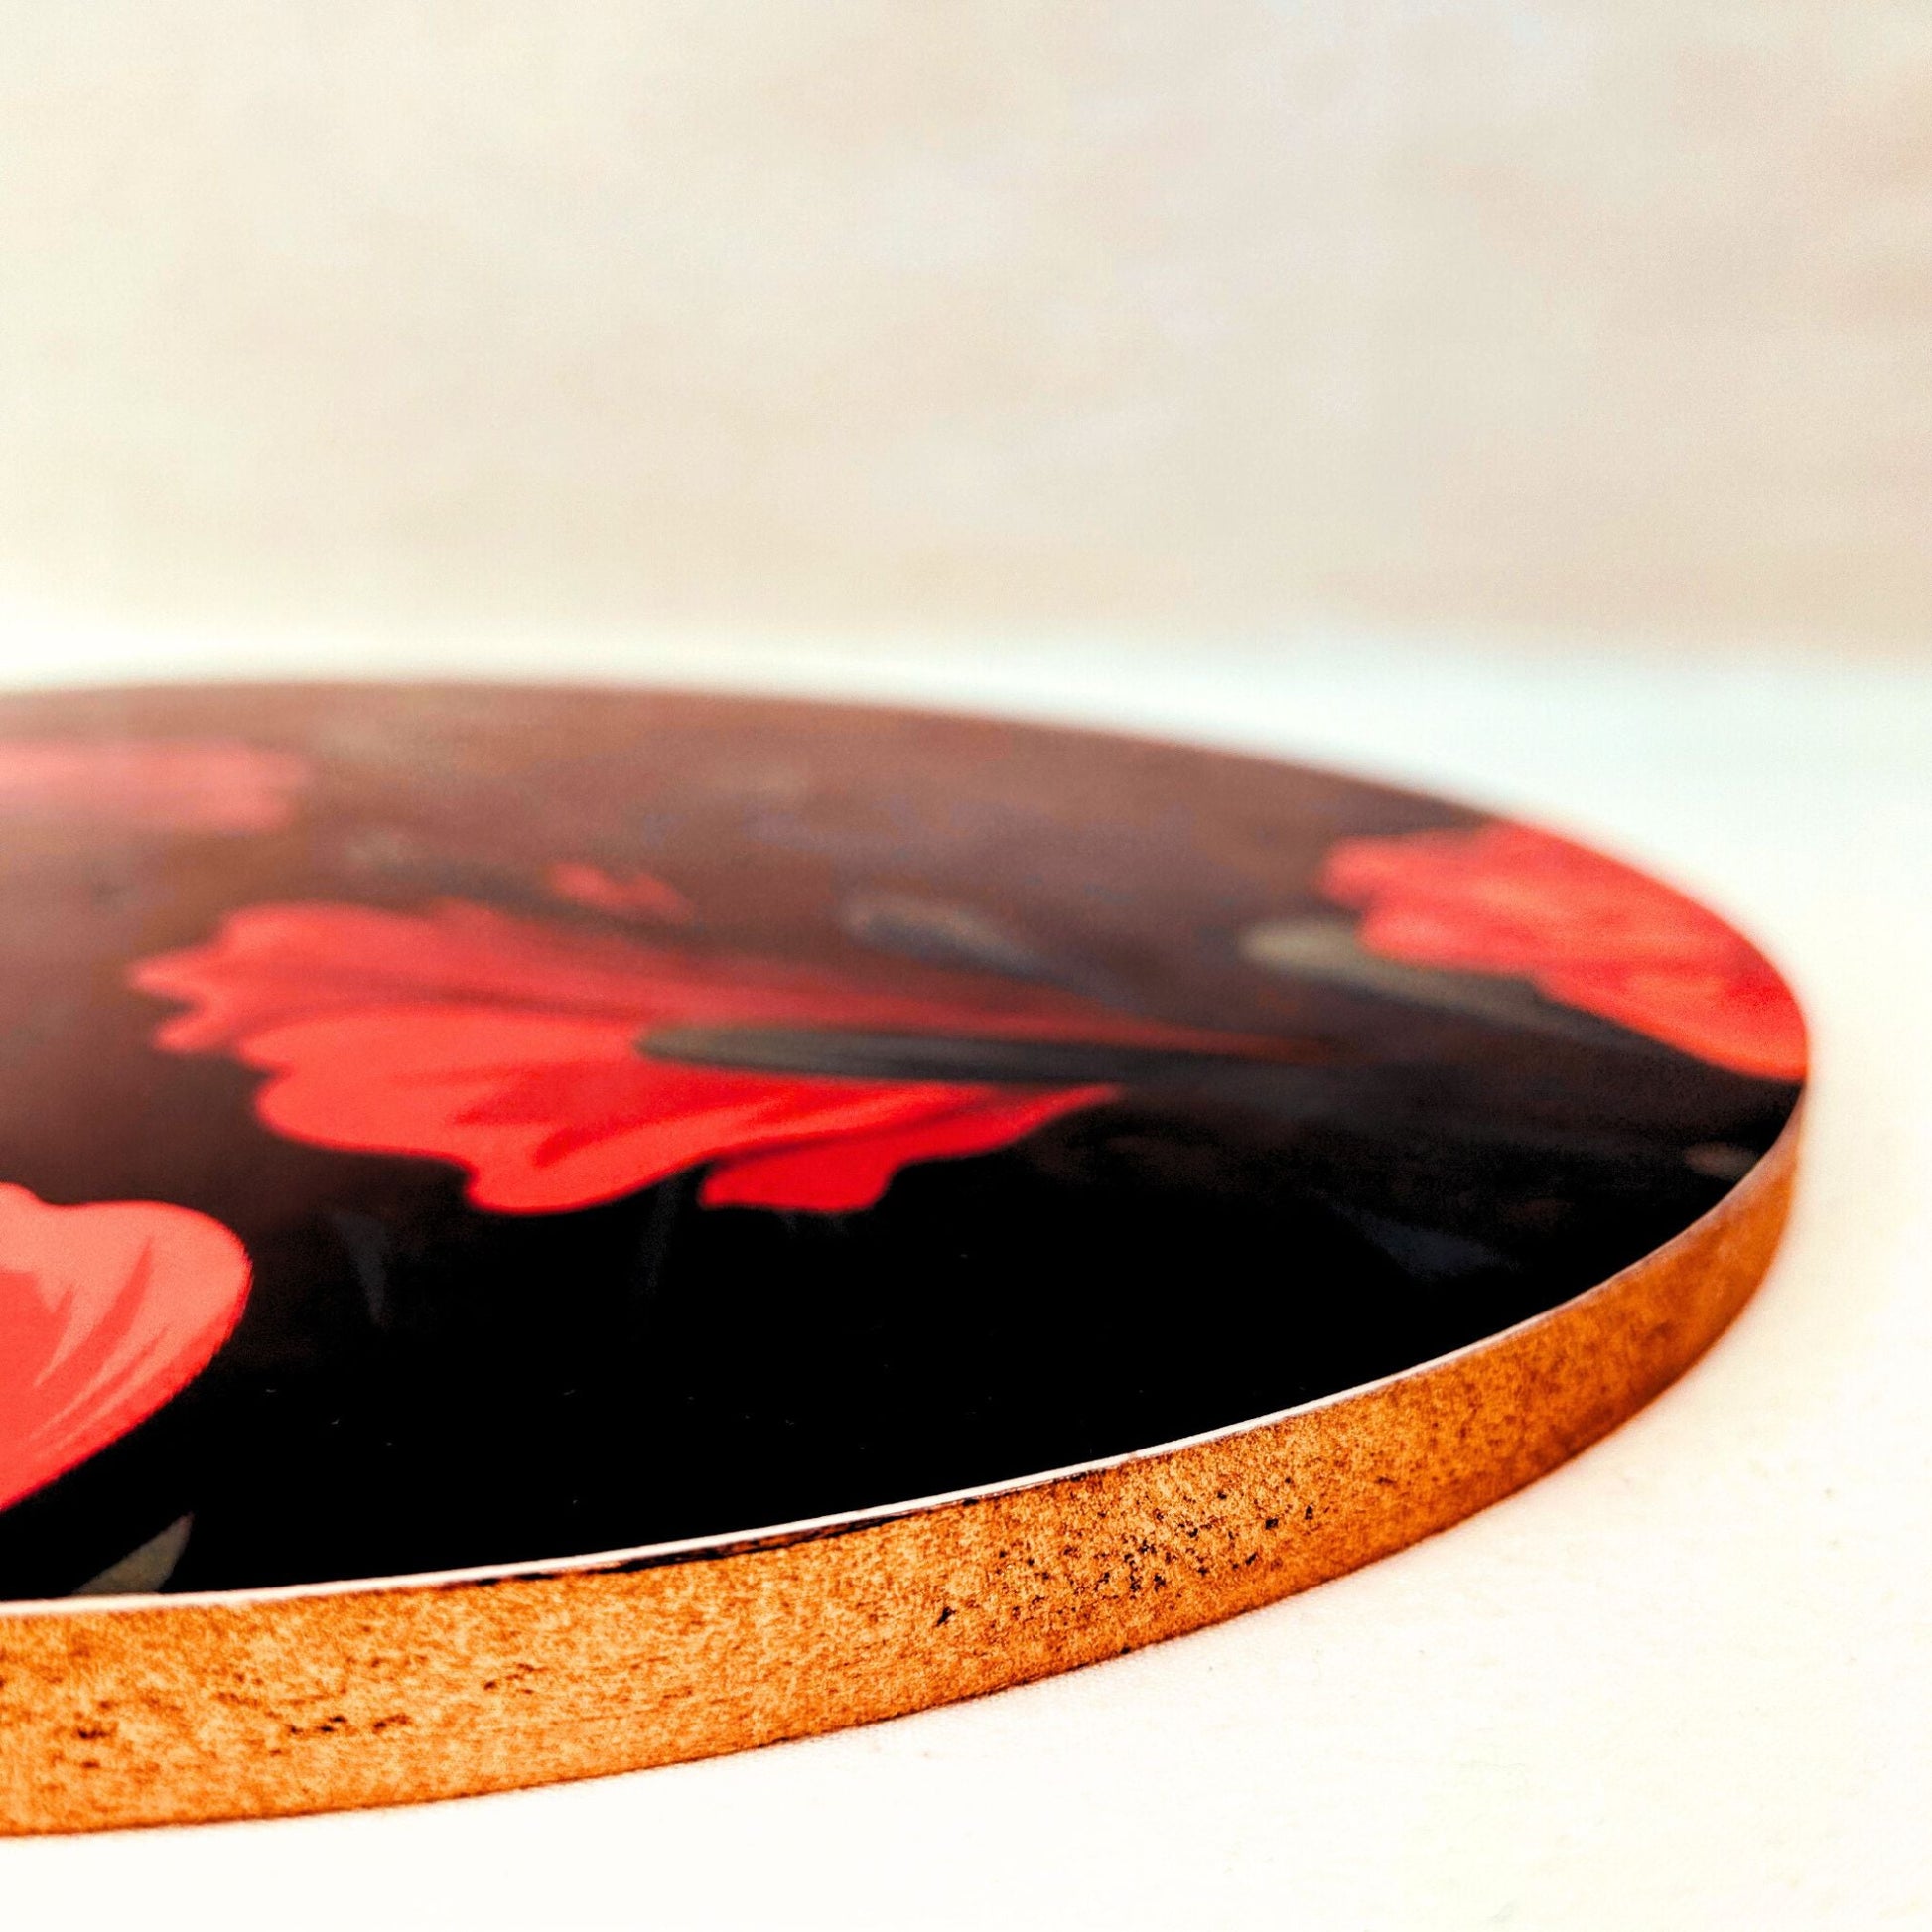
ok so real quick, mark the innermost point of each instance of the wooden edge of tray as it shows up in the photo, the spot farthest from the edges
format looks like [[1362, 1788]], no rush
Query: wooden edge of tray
[[165, 1711]]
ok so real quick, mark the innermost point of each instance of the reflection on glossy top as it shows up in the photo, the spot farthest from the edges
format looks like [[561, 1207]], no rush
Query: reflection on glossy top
[[616, 1117]]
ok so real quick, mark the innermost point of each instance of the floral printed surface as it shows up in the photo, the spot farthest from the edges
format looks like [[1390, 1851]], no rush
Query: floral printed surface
[[521, 955], [106, 1312], [155, 784], [1585, 929], [519, 1052]]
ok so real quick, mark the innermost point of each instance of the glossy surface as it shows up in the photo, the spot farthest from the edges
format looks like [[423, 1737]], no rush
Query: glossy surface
[[653, 1118]]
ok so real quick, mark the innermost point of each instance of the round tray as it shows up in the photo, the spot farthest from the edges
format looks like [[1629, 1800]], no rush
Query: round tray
[[545, 1232]]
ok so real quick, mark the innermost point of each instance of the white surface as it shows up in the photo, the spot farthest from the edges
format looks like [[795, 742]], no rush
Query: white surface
[[1685, 1683]]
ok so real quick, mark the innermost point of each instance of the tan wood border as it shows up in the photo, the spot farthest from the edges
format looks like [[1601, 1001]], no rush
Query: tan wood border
[[160, 1709]]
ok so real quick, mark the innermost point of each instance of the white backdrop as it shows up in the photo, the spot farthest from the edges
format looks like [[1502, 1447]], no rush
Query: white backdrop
[[1232, 313], [1685, 1683]]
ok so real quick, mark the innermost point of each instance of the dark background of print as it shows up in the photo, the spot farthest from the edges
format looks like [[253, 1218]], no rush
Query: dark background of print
[[418, 1385]]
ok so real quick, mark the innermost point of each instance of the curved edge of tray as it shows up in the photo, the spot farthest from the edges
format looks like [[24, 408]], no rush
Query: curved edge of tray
[[166, 1712]]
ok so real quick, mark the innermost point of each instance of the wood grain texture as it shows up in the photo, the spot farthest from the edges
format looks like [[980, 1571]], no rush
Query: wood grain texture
[[156, 1710]]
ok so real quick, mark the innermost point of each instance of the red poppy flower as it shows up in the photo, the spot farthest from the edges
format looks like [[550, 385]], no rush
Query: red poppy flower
[[520, 1052], [106, 1312], [166, 785], [1583, 929]]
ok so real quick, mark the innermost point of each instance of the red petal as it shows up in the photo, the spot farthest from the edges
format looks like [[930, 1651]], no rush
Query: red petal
[[106, 1312], [836, 1176], [630, 892], [272, 964], [276, 963], [1582, 929], [1745, 1021], [550, 1113], [513, 1051], [167, 784]]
